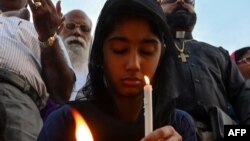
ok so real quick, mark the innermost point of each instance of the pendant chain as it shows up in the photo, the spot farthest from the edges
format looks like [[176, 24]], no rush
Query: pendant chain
[[182, 47], [182, 55]]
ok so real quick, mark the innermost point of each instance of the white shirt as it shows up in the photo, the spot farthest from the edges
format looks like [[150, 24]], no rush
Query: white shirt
[[80, 82], [20, 52]]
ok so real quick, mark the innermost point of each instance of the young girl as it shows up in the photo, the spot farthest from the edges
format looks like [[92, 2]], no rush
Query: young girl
[[131, 40]]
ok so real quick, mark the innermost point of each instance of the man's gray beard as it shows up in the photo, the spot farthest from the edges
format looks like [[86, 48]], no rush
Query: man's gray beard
[[78, 54]]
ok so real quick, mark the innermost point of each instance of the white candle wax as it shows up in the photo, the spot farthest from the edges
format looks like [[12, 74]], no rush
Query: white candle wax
[[148, 110]]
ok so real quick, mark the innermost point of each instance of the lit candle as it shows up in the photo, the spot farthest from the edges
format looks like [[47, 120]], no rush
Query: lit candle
[[82, 131], [148, 110]]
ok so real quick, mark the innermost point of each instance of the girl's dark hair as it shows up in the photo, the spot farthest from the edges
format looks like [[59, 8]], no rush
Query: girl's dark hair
[[115, 11]]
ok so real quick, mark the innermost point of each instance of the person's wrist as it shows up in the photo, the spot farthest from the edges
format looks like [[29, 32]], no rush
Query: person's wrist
[[49, 42]]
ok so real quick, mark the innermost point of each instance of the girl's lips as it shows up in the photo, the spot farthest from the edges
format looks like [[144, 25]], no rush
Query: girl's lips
[[133, 82]]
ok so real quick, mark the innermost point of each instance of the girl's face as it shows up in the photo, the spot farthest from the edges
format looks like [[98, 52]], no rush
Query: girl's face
[[130, 51]]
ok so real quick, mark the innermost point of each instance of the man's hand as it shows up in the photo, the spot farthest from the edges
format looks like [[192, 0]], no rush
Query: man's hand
[[46, 18]]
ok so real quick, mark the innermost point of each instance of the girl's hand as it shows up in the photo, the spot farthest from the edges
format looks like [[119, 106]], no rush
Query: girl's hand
[[166, 133]]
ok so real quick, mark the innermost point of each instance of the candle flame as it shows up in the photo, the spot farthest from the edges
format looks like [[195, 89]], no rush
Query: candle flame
[[82, 131], [146, 80]]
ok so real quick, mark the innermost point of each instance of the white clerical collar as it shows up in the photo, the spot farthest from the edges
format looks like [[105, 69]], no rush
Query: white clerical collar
[[180, 34]]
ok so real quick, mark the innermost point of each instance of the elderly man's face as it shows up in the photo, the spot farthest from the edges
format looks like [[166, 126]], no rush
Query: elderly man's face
[[77, 24], [76, 36], [11, 5]]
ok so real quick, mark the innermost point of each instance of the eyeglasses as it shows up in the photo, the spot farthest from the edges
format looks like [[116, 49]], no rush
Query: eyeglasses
[[173, 1], [72, 26], [245, 60]]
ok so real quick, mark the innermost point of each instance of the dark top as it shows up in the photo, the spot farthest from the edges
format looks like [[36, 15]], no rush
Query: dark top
[[50, 106], [210, 78], [60, 125]]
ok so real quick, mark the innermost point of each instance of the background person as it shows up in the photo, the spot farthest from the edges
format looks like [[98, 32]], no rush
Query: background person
[[28, 72], [242, 59], [206, 77], [76, 35]]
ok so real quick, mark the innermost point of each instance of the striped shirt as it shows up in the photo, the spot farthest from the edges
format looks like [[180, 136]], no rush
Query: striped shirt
[[20, 52]]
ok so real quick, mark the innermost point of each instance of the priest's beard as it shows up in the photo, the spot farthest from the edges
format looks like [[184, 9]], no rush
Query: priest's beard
[[181, 20], [78, 50]]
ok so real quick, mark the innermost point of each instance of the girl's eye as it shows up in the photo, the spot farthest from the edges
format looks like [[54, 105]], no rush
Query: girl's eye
[[119, 51], [119, 48], [147, 50]]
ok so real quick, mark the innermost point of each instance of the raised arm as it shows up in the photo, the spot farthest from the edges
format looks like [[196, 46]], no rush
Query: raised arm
[[58, 76]]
